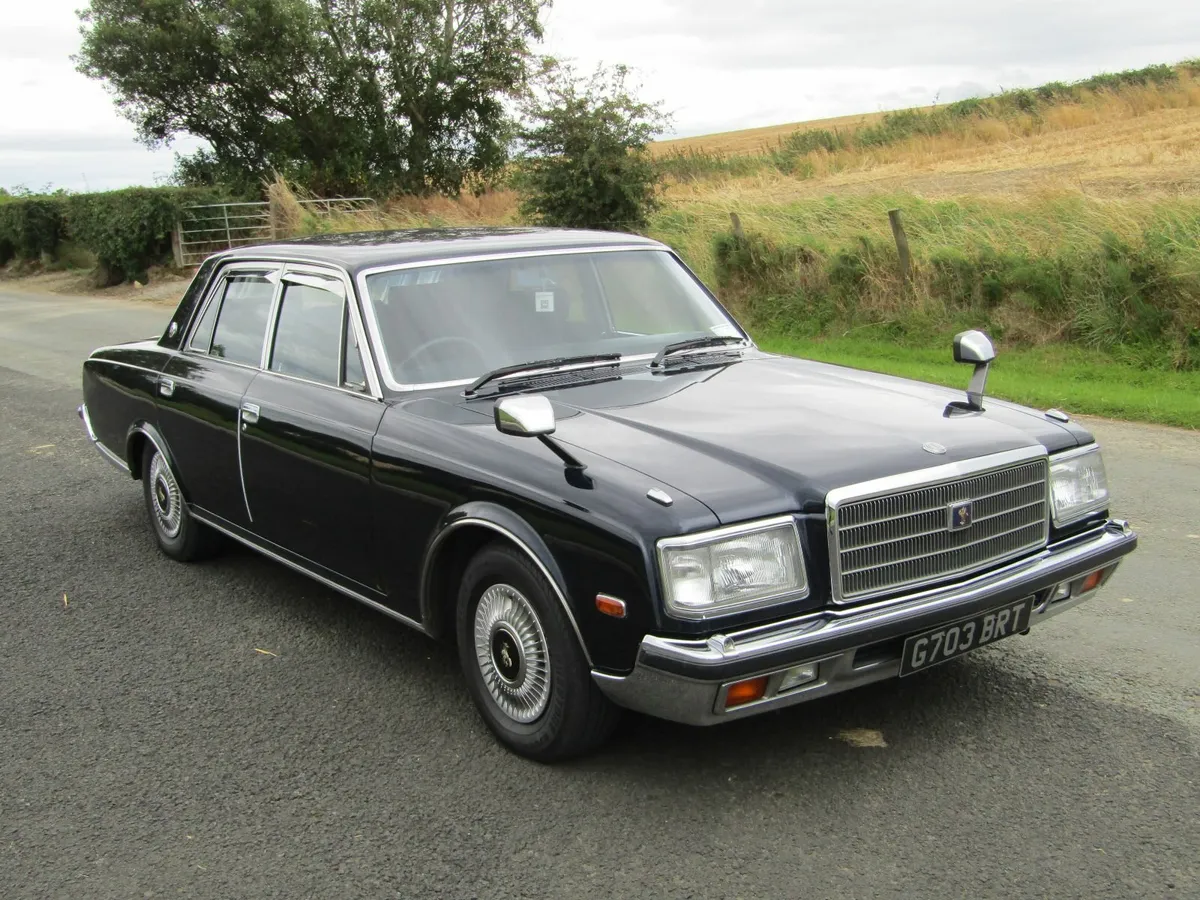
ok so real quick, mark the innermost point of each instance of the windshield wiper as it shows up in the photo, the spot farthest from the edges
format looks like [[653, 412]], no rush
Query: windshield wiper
[[694, 344], [546, 367]]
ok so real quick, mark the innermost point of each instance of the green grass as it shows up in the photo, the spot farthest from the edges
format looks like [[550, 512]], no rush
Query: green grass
[[1069, 378]]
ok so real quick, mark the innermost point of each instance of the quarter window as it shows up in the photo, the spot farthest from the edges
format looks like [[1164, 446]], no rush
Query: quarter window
[[201, 338], [242, 321], [308, 336]]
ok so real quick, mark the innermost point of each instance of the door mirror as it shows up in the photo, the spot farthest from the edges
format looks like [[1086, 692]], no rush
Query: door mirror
[[525, 416]]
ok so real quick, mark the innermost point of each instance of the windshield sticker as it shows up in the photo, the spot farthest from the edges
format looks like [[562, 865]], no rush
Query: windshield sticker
[[724, 330], [543, 301]]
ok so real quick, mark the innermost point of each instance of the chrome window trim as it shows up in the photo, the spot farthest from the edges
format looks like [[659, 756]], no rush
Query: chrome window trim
[[916, 479], [726, 532], [215, 291], [373, 323], [336, 273], [321, 384], [279, 269], [1089, 510]]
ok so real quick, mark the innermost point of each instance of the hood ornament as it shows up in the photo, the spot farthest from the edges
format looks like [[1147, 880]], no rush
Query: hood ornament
[[974, 347], [934, 447]]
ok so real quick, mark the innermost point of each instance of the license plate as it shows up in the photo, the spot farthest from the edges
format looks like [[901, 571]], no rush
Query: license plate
[[924, 650]]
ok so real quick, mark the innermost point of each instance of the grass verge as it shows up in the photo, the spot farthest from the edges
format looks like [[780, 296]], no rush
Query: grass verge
[[1069, 378]]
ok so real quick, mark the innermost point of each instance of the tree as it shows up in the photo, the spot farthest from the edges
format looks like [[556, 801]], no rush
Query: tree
[[584, 160], [343, 96]]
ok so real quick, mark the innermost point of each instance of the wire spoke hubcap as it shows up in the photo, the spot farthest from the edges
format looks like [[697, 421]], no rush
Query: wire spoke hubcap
[[165, 498], [511, 650]]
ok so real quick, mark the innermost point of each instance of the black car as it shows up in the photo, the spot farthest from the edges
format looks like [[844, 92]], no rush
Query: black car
[[559, 450]]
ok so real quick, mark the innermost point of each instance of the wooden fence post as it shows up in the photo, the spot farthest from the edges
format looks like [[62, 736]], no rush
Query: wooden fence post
[[901, 245], [177, 244]]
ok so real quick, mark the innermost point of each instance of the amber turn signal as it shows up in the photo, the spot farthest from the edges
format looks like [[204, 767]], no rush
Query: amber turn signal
[[1092, 581], [610, 606], [743, 692]]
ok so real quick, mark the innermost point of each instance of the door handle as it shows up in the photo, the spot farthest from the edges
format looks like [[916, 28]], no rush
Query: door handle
[[250, 413], [166, 386]]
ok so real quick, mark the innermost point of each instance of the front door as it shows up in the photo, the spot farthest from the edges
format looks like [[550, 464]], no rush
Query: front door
[[307, 423], [200, 389]]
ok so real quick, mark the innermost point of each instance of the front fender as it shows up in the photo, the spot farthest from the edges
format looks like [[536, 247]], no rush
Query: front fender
[[507, 524]]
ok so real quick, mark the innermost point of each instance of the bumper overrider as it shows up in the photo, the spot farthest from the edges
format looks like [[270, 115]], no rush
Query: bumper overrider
[[814, 655]]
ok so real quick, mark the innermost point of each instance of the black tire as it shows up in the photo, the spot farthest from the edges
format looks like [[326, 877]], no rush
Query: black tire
[[574, 716], [179, 535]]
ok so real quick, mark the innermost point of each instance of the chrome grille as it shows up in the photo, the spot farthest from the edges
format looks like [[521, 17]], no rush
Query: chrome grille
[[902, 540]]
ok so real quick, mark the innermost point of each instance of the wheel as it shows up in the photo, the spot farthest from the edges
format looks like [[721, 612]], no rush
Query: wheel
[[179, 535], [523, 664]]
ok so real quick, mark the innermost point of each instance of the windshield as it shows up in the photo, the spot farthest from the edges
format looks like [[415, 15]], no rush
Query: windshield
[[454, 322]]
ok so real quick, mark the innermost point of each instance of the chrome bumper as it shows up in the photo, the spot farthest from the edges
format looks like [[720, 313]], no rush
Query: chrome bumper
[[116, 461], [685, 680]]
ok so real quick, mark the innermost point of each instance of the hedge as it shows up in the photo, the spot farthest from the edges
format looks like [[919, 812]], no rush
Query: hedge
[[128, 230], [30, 227]]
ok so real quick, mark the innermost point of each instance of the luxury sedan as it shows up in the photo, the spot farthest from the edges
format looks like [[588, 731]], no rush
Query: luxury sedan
[[558, 450]]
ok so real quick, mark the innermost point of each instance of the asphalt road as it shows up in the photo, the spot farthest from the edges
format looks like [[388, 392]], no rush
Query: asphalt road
[[232, 730]]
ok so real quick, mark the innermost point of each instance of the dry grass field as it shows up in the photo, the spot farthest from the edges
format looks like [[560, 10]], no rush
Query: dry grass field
[[1071, 233], [757, 140]]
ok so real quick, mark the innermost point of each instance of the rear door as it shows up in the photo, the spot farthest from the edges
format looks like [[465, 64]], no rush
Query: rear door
[[308, 421], [200, 389]]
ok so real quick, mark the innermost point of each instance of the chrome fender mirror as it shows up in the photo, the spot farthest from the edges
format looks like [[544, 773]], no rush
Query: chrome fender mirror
[[977, 348], [531, 415], [525, 416]]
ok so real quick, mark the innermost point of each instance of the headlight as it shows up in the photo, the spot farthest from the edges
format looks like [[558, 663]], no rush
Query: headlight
[[1078, 485], [732, 569]]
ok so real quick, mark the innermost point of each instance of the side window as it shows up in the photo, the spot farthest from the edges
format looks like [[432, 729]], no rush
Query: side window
[[308, 336], [242, 321]]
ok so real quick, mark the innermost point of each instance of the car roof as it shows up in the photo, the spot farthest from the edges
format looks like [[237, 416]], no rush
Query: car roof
[[360, 250]]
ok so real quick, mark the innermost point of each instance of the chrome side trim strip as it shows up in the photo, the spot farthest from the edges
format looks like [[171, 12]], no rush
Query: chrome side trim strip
[[303, 570], [241, 427], [126, 365], [562, 599]]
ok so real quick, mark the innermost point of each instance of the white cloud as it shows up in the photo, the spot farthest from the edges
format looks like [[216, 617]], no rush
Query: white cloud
[[717, 65]]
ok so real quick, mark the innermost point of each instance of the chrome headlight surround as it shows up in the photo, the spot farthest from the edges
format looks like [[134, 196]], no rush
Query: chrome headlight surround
[[1078, 485], [733, 569]]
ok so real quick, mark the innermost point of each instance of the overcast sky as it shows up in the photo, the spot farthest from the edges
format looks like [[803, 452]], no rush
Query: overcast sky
[[717, 64]]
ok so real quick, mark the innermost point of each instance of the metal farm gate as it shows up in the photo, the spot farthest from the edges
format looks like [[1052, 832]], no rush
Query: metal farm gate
[[204, 230]]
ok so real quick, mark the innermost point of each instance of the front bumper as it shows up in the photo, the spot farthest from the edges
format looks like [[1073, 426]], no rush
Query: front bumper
[[685, 680]]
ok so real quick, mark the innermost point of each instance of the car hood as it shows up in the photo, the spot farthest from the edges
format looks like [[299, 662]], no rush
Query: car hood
[[774, 433]]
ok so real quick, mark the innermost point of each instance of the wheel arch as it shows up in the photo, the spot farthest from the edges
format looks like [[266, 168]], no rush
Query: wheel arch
[[465, 531], [141, 433]]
